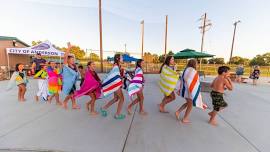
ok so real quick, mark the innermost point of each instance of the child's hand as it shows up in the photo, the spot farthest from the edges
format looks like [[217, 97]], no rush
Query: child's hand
[[69, 46], [178, 92]]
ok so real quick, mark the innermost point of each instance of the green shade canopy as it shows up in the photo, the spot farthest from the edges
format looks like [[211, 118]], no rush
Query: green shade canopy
[[188, 53]]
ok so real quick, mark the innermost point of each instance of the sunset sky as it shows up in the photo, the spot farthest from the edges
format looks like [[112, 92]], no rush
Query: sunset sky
[[77, 21]]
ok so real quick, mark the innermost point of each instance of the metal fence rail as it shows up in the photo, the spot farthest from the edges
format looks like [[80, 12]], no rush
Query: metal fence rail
[[209, 69]]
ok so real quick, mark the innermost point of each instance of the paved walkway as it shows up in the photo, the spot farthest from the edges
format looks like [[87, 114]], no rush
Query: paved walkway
[[30, 126]]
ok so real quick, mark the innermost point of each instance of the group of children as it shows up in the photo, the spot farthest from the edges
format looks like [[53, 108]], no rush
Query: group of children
[[53, 79], [188, 86]]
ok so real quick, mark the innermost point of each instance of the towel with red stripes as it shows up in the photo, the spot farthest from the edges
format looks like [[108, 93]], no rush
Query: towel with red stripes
[[112, 82], [190, 87]]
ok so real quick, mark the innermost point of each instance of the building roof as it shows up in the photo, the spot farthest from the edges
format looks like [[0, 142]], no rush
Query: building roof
[[13, 38]]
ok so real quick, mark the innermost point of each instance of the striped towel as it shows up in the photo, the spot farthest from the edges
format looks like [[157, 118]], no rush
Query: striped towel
[[168, 80], [190, 87], [136, 83], [112, 82]]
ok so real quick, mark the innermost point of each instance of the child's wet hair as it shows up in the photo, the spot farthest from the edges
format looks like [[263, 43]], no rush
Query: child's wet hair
[[17, 66], [70, 57], [50, 62], [80, 66], [117, 58], [166, 62], [89, 63], [192, 63], [222, 69], [42, 66], [139, 63]]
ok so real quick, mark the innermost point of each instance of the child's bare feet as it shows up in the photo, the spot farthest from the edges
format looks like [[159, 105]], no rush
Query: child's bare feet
[[162, 109], [177, 115], [87, 106], [94, 113], [210, 114], [59, 103], [129, 110], [213, 123], [36, 98], [185, 121], [143, 113], [64, 105], [49, 100], [75, 107]]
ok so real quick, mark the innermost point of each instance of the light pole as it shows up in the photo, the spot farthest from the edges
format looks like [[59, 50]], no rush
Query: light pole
[[100, 37], [166, 35], [235, 25], [142, 23]]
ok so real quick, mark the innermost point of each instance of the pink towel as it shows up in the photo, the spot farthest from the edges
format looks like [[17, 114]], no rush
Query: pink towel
[[90, 84]]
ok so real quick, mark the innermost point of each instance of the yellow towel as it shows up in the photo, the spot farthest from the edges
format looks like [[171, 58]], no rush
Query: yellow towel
[[168, 80]]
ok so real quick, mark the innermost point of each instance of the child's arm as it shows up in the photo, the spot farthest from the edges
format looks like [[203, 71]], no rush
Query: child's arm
[[33, 67], [36, 76], [67, 53], [212, 84], [228, 83]]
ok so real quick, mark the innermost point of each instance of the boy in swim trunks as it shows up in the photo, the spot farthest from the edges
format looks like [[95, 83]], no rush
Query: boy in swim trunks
[[221, 82]]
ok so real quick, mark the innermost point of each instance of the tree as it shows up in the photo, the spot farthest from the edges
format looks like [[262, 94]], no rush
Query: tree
[[204, 61], [161, 58], [262, 60], [155, 58], [94, 57], [266, 57], [77, 51], [170, 53], [36, 42], [150, 58], [239, 60], [216, 61], [258, 60]]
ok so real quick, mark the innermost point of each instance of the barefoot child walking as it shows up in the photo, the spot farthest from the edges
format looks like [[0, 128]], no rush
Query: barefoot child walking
[[42, 76], [190, 88], [168, 82], [19, 78], [70, 76], [221, 82], [91, 86], [113, 84], [54, 82], [136, 88]]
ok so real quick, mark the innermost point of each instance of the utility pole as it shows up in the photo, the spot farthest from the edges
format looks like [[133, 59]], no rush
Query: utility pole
[[142, 23], [235, 25], [166, 34], [203, 31], [125, 48], [100, 37], [205, 23]]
